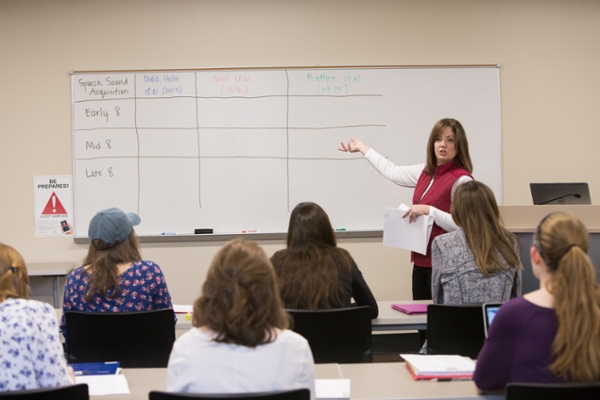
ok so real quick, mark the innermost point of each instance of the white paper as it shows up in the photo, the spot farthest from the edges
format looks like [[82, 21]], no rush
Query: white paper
[[103, 385], [399, 232], [179, 308], [332, 388], [444, 364]]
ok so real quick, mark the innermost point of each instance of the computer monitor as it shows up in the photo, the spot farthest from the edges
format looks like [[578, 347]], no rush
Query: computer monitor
[[560, 193]]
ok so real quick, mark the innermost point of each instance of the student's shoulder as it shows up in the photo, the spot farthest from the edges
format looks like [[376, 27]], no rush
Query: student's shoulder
[[26, 307], [450, 240], [291, 337]]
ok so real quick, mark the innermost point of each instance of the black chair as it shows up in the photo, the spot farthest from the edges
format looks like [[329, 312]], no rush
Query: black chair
[[298, 394], [455, 329], [340, 335], [137, 339], [552, 391], [71, 392]]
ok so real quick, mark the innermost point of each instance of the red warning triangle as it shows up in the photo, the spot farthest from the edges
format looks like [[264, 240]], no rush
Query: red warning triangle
[[54, 206]]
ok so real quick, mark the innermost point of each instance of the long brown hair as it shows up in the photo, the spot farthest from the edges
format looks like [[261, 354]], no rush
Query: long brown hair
[[103, 261], [14, 280], [463, 158], [562, 241], [474, 209], [240, 300], [308, 275]]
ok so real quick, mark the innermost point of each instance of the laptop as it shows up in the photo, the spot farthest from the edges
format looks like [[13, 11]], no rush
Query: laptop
[[560, 193], [489, 312]]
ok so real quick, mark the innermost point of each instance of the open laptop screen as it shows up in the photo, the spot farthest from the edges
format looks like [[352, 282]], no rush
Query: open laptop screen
[[489, 312]]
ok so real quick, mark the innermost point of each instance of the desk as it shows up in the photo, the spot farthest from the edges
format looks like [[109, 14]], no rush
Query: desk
[[368, 381], [394, 320], [388, 319], [51, 269]]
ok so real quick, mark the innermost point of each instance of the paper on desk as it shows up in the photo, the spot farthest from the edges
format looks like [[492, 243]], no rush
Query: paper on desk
[[332, 389], [181, 308], [103, 385], [398, 232]]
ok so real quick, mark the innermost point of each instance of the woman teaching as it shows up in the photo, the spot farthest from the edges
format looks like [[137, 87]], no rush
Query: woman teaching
[[448, 165]]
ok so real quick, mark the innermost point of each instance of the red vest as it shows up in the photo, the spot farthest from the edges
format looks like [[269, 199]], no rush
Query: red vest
[[439, 196]]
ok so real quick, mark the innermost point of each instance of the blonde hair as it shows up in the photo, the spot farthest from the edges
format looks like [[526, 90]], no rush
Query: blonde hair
[[562, 241], [462, 159], [14, 280], [474, 209], [240, 299]]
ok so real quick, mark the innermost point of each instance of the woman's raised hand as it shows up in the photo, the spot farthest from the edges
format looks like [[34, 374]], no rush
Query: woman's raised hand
[[353, 146]]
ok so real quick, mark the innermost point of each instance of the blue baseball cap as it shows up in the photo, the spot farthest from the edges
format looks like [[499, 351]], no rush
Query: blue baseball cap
[[112, 226]]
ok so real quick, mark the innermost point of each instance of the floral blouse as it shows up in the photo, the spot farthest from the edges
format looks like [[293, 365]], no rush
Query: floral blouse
[[141, 287], [31, 354]]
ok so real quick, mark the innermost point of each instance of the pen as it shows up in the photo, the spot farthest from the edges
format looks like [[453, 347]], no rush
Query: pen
[[250, 231], [168, 234], [340, 229]]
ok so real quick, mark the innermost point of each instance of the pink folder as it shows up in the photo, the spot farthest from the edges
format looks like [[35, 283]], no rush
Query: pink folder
[[411, 308]]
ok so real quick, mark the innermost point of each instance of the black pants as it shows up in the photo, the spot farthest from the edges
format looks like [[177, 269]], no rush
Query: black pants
[[421, 283], [421, 289]]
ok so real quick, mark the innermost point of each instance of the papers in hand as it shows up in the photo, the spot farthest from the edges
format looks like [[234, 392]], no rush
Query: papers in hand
[[439, 367], [399, 232], [332, 389]]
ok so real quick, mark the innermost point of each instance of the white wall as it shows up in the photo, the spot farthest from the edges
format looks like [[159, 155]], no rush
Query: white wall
[[549, 52]]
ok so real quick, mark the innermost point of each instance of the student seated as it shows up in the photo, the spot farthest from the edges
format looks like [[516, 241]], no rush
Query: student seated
[[313, 273], [114, 278], [552, 334], [240, 342], [478, 263], [31, 354]]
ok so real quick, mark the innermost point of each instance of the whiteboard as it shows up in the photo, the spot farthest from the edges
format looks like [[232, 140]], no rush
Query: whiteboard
[[237, 149]]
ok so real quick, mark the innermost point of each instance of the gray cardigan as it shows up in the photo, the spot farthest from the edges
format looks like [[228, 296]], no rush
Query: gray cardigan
[[456, 279]]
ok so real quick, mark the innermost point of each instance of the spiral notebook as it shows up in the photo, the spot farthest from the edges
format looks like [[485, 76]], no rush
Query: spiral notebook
[[411, 308]]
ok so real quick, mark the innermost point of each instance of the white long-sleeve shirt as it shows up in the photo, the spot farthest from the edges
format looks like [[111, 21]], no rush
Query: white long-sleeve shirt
[[200, 365], [407, 176]]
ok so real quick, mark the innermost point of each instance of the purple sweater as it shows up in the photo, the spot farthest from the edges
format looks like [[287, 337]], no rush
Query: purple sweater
[[518, 348]]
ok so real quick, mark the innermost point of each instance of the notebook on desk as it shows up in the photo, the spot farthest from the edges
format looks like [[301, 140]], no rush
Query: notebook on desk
[[411, 308]]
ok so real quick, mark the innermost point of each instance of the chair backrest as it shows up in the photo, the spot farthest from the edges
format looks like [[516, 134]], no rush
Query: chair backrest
[[298, 394], [137, 339], [455, 329], [71, 392], [552, 391], [340, 335]]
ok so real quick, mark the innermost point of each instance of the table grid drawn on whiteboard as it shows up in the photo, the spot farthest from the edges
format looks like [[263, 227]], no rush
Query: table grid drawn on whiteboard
[[237, 149]]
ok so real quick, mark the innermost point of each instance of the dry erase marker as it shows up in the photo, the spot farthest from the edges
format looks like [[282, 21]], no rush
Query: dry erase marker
[[340, 229], [168, 234], [250, 231]]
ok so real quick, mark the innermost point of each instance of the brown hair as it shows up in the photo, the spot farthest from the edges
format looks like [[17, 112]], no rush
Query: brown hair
[[103, 260], [14, 280], [562, 241], [462, 159], [240, 300], [474, 209], [308, 275]]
